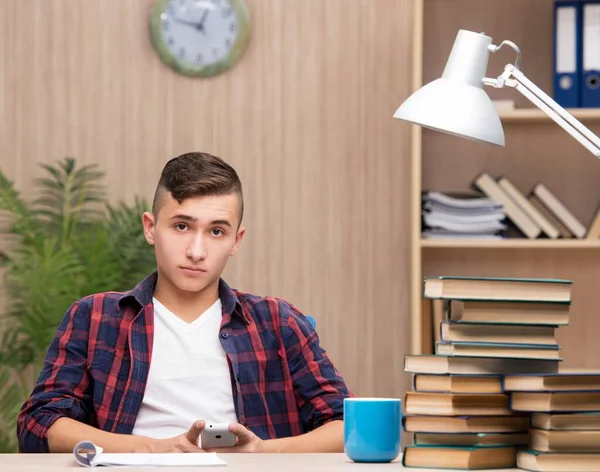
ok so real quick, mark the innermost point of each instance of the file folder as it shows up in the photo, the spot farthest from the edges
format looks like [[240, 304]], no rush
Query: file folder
[[590, 77], [567, 53]]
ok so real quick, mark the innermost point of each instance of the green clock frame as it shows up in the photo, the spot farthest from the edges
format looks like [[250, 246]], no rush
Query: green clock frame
[[235, 54]]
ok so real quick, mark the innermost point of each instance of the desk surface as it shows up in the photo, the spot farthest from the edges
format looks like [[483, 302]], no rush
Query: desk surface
[[235, 462]]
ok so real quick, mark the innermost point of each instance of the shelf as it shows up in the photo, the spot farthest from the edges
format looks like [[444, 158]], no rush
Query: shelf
[[514, 243], [535, 114]]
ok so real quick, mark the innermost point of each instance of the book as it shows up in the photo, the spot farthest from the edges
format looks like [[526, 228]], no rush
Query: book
[[555, 401], [530, 210], [588, 421], [561, 381], [459, 457], [564, 441], [457, 383], [471, 439], [510, 351], [563, 230], [498, 288], [456, 404], [557, 462], [432, 364], [524, 223], [88, 454], [508, 312], [517, 423], [452, 331], [559, 210], [593, 231]]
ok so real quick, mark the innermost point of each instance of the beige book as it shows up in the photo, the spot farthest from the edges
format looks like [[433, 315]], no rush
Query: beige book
[[558, 462], [594, 229], [524, 313], [459, 457], [431, 364], [495, 350], [458, 383], [565, 382], [471, 439], [457, 404], [531, 211], [490, 187], [564, 441], [564, 231], [559, 209], [466, 424], [497, 333], [555, 401], [585, 421], [497, 288]]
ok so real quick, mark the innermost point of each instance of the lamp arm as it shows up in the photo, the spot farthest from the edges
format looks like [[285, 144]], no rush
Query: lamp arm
[[514, 78]]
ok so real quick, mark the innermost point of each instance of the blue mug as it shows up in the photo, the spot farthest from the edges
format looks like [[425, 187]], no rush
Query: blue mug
[[372, 429]]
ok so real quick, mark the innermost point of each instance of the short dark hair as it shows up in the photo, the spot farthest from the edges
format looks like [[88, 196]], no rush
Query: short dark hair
[[197, 174]]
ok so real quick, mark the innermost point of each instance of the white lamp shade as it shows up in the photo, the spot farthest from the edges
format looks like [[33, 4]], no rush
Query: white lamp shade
[[457, 104]]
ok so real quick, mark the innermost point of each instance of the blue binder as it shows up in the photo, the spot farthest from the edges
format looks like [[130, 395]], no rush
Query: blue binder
[[590, 65], [567, 53]]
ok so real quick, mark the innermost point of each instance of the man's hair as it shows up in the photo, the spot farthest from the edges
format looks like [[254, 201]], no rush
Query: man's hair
[[197, 174]]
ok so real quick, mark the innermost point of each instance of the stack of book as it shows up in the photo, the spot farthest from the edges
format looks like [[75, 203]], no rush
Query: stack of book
[[458, 412], [461, 215], [565, 424]]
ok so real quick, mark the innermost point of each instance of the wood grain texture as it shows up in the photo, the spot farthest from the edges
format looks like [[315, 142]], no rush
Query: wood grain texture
[[305, 118], [535, 151]]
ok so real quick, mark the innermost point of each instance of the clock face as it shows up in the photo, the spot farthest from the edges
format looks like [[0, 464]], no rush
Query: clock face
[[200, 37]]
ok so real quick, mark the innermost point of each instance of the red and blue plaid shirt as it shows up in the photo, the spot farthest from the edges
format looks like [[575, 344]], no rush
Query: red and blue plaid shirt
[[97, 366]]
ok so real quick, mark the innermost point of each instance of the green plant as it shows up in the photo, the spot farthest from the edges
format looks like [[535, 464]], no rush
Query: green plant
[[64, 245]]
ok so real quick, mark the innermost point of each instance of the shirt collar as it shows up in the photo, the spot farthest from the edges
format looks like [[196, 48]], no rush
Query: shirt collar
[[143, 292]]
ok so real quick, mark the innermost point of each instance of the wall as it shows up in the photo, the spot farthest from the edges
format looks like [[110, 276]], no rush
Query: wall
[[306, 119]]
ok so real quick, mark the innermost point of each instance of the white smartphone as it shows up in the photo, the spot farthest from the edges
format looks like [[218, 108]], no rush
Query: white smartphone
[[217, 435]]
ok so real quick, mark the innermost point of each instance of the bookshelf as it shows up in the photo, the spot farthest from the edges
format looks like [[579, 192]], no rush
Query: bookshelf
[[537, 150], [585, 115], [512, 243]]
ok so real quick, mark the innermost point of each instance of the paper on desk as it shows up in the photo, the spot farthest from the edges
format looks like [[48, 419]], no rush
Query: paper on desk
[[95, 456]]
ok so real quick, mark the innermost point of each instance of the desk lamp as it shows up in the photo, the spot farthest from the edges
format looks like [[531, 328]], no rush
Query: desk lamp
[[457, 104]]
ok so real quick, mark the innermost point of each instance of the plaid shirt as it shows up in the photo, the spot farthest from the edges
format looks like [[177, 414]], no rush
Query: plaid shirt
[[97, 366]]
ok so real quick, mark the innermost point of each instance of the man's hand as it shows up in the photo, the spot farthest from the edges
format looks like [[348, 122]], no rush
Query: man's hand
[[247, 441], [186, 442]]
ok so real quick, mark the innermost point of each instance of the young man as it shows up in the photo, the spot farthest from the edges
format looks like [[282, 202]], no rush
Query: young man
[[145, 370]]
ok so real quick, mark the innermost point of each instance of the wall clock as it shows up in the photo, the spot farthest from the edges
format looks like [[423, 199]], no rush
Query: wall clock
[[200, 38]]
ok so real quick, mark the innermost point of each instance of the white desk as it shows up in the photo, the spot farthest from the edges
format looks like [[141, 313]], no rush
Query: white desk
[[235, 462]]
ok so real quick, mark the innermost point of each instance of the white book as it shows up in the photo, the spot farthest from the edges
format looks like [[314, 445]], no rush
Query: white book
[[87, 454]]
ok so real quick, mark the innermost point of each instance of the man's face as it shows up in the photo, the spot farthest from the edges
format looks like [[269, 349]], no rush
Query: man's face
[[194, 239]]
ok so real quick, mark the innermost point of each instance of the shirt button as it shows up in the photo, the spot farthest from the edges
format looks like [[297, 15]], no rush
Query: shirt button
[[224, 335]]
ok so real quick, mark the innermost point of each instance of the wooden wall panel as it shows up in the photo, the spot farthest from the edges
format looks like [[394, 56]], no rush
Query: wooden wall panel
[[306, 119]]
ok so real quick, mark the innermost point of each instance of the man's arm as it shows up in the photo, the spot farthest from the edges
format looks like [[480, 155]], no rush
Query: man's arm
[[62, 388], [326, 438], [320, 389], [65, 433]]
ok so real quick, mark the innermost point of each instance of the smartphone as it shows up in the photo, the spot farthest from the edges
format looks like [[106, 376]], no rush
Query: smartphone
[[217, 435]]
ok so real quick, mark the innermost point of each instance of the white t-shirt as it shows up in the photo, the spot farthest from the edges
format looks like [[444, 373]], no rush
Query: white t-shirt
[[189, 376]]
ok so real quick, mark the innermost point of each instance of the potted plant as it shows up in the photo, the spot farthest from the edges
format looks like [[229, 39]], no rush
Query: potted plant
[[67, 243]]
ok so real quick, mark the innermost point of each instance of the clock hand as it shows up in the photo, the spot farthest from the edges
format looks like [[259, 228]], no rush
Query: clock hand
[[202, 20], [184, 22], [199, 26]]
